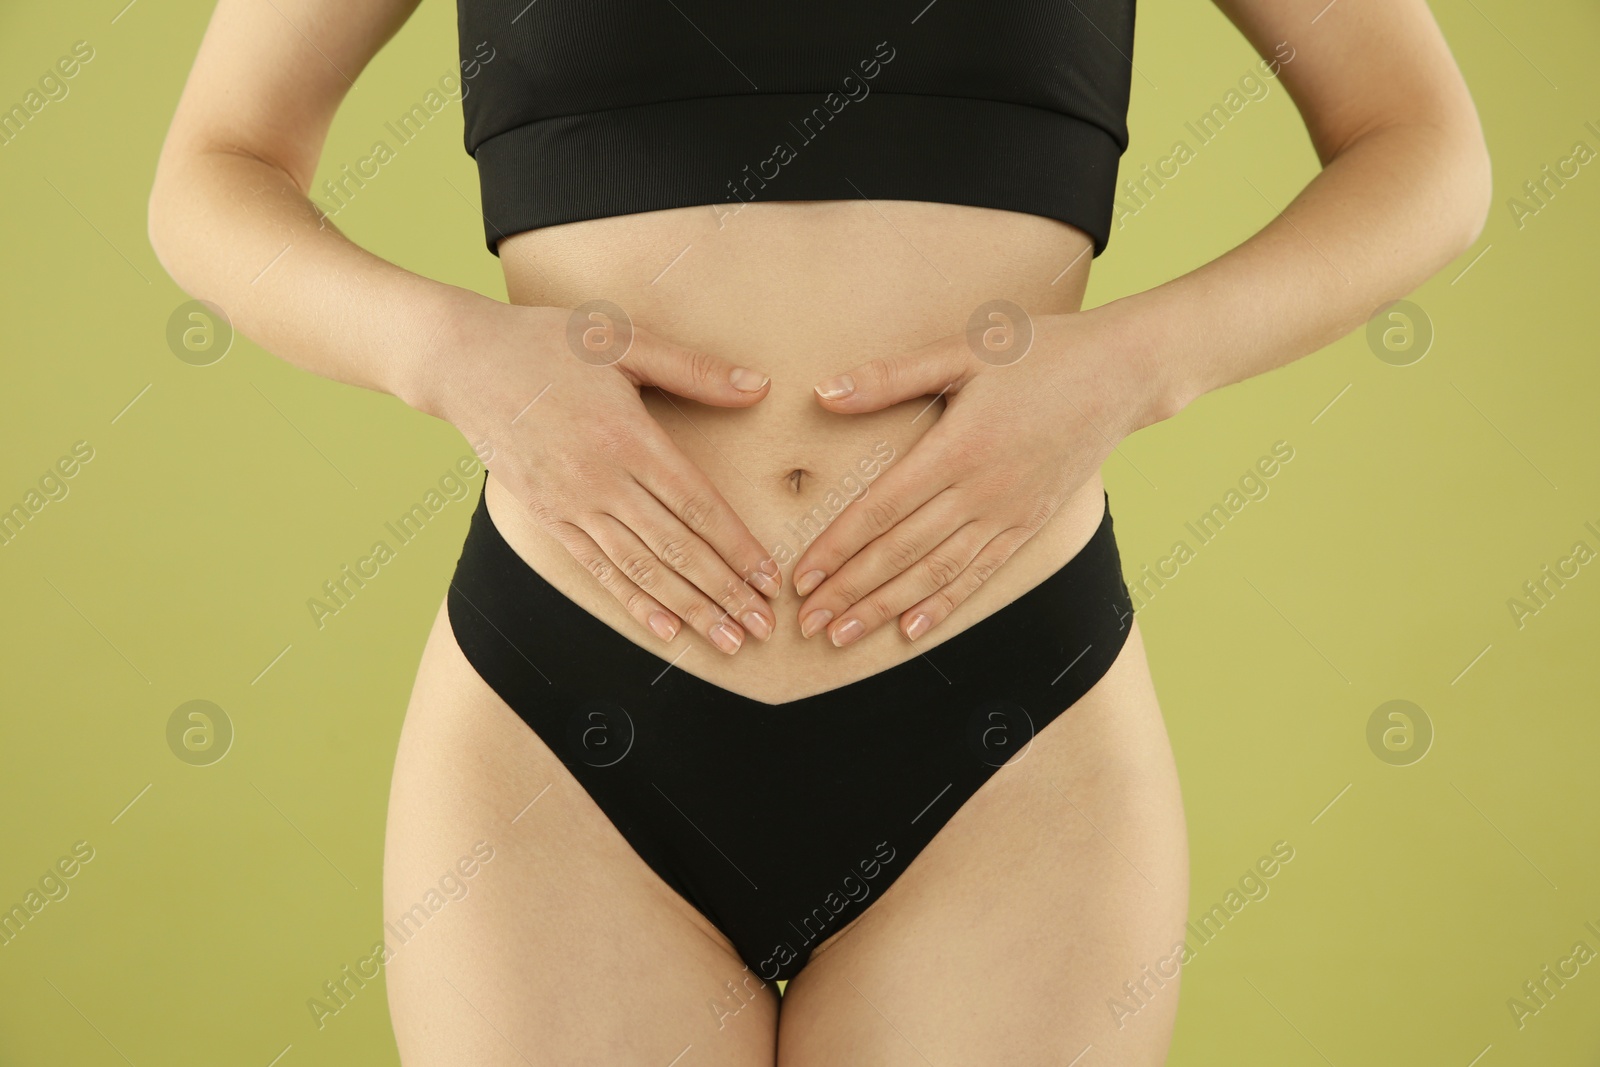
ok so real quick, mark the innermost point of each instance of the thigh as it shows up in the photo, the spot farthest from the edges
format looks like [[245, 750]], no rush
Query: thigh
[[1055, 894], [521, 927]]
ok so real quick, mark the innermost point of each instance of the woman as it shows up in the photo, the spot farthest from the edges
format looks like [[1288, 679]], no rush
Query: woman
[[794, 548]]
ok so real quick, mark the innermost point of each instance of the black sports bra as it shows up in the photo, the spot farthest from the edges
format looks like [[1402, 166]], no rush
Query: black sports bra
[[581, 109]]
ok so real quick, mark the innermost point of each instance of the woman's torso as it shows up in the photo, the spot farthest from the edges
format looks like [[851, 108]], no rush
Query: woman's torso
[[801, 291]]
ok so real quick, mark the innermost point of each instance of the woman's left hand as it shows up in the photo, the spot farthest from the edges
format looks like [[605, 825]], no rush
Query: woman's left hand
[[1024, 426]]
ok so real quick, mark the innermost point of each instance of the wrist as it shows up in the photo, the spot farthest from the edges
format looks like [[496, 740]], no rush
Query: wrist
[[433, 372], [1153, 384]]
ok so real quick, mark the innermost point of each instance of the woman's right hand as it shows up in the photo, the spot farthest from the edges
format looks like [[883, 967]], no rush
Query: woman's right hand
[[562, 426]]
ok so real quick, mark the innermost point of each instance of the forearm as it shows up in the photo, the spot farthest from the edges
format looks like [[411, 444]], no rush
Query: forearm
[[240, 232], [1386, 213]]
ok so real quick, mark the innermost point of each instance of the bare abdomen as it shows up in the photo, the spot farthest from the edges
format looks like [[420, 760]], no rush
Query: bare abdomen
[[801, 291]]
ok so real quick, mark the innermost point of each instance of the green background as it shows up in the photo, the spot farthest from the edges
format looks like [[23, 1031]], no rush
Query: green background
[[1419, 500]]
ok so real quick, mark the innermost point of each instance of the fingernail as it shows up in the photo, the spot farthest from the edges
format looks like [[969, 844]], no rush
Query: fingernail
[[814, 622], [757, 624], [769, 586], [836, 388], [663, 625], [808, 581], [768, 567], [726, 638], [848, 631], [746, 380], [918, 626]]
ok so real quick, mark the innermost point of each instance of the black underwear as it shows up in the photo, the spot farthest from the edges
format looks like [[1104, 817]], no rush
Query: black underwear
[[783, 822]]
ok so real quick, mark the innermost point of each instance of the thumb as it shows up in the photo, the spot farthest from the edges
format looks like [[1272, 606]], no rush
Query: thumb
[[941, 367], [690, 373]]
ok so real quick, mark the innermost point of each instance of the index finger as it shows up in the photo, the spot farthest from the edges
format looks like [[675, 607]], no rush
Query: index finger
[[897, 493], [684, 489]]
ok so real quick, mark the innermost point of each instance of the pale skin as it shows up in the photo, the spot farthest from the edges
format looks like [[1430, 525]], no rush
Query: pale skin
[[1067, 873]]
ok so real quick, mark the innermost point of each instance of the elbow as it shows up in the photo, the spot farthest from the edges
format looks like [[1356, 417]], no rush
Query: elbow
[[159, 220], [1470, 185], [1477, 196], [154, 232], [164, 222], [171, 207]]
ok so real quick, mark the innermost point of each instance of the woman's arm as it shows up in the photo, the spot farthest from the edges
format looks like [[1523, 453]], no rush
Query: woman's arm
[[1405, 188], [231, 221], [230, 218]]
